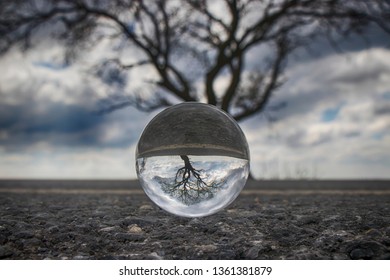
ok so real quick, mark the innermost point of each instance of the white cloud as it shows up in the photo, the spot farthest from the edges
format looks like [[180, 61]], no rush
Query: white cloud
[[355, 144], [51, 97], [51, 163], [352, 145]]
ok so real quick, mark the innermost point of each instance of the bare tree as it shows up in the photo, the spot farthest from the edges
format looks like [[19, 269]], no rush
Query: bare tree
[[190, 186], [190, 43]]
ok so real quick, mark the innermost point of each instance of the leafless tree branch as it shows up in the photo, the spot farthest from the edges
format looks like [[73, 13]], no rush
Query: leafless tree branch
[[172, 33]]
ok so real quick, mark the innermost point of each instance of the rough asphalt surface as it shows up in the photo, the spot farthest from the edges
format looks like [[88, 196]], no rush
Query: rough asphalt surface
[[269, 220]]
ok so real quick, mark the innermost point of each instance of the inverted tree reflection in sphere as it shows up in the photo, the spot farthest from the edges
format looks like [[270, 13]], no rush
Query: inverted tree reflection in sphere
[[192, 159]]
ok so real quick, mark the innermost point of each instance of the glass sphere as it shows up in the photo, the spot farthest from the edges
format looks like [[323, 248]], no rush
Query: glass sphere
[[192, 159]]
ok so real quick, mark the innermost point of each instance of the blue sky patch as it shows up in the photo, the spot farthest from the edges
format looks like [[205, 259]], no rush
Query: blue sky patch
[[386, 95], [51, 65], [330, 114], [378, 135]]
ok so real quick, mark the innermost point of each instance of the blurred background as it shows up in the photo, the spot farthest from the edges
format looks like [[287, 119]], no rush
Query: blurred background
[[308, 81]]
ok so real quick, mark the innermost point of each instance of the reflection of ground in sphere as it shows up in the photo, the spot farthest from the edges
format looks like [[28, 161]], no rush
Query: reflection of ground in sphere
[[192, 186]]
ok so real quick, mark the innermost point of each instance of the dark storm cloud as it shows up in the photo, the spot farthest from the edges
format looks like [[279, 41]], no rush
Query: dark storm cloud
[[297, 105], [372, 37], [361, 75], [382, 109], [55, 117], [63, 125], [54, 123]]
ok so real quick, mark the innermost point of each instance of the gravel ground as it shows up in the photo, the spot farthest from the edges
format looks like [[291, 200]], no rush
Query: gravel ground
[[269, 220]]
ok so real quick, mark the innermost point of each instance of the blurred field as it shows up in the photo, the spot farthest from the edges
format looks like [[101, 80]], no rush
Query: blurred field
[[261, 185]]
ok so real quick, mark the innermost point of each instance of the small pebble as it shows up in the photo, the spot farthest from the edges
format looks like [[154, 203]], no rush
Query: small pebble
[[134, 228], [146, 207], [108, 229]]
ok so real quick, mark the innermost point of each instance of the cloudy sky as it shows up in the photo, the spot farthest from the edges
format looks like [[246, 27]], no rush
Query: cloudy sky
[[335, 122]]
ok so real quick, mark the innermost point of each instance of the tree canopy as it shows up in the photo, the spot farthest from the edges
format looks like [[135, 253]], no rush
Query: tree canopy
[[190, 46]]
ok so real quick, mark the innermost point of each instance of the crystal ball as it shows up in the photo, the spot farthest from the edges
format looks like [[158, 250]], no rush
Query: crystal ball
[[192, 159]]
